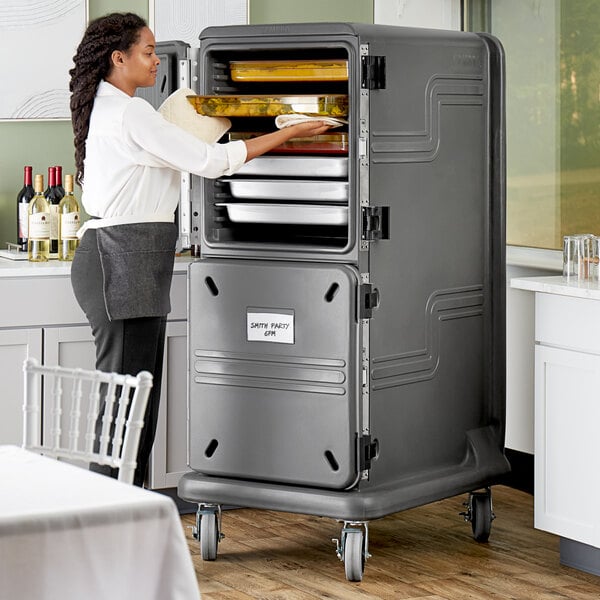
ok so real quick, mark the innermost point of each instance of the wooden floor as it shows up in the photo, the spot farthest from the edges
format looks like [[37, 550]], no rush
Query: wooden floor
[[426, 553]]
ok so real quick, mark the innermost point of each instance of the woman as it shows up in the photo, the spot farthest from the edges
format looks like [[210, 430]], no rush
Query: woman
[[128, 159]]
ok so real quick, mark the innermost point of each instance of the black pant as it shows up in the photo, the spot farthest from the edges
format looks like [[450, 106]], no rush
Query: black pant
[[125, 346]]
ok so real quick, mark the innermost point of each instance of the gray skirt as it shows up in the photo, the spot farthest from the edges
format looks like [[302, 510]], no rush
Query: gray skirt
[[136, 266]]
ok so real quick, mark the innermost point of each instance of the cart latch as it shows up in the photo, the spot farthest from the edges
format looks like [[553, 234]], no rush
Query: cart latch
[[373, 73], [375, 223], [369, 300], [369, 450]]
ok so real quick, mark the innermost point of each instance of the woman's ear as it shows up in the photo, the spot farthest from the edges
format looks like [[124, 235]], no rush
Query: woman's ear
[[117, 58]]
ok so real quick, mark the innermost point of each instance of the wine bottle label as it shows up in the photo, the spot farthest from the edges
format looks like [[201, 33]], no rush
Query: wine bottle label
[[39, 226], [23, 220], [53, 221], [69, 225]]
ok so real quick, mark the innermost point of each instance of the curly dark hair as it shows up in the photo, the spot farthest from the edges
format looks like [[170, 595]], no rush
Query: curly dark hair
[[116, 31]]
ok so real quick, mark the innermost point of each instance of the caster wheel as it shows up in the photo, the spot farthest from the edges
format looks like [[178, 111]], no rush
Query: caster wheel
[[481, 515], [354, 557], [209, 535]]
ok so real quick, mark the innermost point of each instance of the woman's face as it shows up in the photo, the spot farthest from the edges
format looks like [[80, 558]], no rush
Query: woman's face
[[140, 63]]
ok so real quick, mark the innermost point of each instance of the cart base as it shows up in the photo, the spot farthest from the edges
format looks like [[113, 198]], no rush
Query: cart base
[[484, 465]]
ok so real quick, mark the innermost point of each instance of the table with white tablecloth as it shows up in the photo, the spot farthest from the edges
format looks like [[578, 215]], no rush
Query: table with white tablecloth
[[69, 534]]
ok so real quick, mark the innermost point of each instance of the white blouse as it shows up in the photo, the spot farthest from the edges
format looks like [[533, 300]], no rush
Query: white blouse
[[134, 157]]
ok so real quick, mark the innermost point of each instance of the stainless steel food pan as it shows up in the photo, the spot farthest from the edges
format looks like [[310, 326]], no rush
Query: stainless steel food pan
[[291, 189], [294, 214], [294, 166]]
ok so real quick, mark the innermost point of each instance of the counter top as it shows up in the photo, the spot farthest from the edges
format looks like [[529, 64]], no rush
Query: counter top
[[52, 268], [557, 285]]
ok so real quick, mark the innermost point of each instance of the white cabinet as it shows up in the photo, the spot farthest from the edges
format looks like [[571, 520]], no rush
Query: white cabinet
[[40, 318], [169, 454], [567, 417], [567, 449], [15, 346], [70, 347]]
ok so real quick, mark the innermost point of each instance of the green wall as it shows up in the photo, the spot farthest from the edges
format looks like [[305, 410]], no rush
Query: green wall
[[303, 11], [42, 143]]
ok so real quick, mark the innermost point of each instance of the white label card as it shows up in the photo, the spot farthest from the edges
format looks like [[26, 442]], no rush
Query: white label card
[[269, 326]]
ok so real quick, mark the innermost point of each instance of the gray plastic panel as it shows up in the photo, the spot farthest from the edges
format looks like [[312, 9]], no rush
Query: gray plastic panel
[[283, 409], [437, 363]]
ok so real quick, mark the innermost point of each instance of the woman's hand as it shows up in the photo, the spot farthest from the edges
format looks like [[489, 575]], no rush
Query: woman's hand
[[264, 143], [307, 129]]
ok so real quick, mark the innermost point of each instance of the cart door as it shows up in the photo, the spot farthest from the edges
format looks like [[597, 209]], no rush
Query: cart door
[[273, 371], [436, 364]]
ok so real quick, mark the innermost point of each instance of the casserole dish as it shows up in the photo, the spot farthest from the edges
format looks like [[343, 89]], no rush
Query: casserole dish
[[331, 105], [327, 143]]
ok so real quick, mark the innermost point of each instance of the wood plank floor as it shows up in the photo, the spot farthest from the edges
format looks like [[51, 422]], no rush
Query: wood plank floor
[[426, 553]]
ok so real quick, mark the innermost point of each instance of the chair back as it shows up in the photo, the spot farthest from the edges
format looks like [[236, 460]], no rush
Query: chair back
[[109, 403]]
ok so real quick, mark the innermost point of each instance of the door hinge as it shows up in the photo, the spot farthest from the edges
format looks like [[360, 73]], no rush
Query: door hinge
[[369, 449], [373, 73], [375, 223], [369, 300]]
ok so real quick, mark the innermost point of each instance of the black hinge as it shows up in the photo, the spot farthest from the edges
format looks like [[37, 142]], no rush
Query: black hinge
[[375, 223], [373, 73], [369, 300], [368, 451]]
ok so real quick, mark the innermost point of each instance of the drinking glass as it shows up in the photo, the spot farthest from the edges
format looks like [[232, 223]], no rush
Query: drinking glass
[[570, 257], [580, 257]]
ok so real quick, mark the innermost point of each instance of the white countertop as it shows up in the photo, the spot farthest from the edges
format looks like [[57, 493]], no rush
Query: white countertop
[[24, 268], [557, 285]]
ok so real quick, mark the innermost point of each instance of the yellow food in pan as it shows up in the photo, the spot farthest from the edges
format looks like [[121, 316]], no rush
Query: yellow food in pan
[[334, 105], [316, 70]]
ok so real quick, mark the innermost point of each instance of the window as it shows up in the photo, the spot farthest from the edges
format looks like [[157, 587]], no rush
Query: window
[[552, 113]]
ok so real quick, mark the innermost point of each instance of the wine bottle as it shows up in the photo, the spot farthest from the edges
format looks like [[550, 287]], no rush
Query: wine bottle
[[50, 178], [38, 242], [23, 197], [60, 190], [53, 202], [68, 222]]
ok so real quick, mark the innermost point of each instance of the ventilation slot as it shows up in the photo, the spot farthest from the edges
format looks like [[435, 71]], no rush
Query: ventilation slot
[[331, 292], [211, 448], [212, 286], [330, 458]]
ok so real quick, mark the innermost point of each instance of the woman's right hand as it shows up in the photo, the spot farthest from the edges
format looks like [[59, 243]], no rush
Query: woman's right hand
[[264, 143], [307, 129]]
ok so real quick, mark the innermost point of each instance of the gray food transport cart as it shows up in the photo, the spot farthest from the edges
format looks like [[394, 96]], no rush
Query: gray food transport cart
[[347, 317]]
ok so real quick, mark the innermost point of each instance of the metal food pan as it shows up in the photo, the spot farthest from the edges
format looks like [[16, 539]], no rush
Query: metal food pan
[[290, 189], [286, 214], [294, 166]]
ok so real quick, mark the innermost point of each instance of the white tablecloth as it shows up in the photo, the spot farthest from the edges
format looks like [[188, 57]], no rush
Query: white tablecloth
[[67, 533]]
